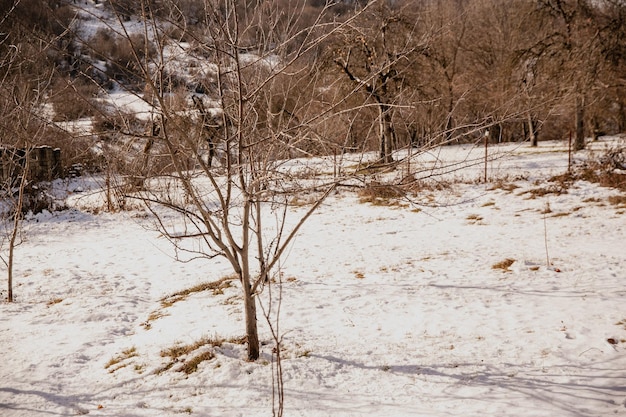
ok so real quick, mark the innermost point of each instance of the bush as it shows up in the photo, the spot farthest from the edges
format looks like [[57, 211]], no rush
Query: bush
[[71, 99], [119, 53], [607, 170]]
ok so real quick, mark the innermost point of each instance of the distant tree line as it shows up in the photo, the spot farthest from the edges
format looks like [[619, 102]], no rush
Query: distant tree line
[[404, 73]]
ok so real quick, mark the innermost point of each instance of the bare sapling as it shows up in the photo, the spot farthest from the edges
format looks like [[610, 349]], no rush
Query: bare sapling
[[227, 150]]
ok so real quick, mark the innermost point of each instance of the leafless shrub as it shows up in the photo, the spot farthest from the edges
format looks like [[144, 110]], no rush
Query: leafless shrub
[[121, 55], [71, 100], [606, 170], [74, 149], [113, 120], [37, 199]]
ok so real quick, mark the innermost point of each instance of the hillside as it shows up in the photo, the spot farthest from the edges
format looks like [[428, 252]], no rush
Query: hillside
[[503, 298]]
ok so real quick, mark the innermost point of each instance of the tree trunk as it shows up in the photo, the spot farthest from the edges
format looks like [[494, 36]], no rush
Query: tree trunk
[[621, 118], [17, 218], [449, 120], [579, 142], [495, 133], [531, 131], [252, 333], [249, 302], [386, 134], [595, 128], [448, 133]]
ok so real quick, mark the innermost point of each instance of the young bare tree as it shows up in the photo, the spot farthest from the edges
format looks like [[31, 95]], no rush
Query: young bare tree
[[24, 78], [226, 178]]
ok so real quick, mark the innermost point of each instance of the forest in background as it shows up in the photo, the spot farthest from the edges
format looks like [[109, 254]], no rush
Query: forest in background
[[389, 74]]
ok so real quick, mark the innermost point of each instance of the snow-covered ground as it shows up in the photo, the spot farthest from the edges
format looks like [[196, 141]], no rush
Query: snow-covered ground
[[386, 310]]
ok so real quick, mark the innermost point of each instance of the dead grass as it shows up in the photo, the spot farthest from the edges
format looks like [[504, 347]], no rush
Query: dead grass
[[120, 361], [373, 168], [216, 286], [562, 214], [618, 200], [414, 186], [54, 301], [504, 265], [191, 365], [474, 219], [301, 201], [379, 194], [503, 185], [557, 189], [359, 275], [179, 353]]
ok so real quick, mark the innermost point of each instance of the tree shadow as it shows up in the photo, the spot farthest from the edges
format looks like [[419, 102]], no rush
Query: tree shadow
[[67, 401], [573, 390], [575, 294], [71, 404]]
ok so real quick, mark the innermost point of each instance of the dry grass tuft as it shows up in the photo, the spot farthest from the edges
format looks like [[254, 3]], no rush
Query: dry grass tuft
[[177, 351], [374, 168], [216, 286], [618, 200], [191, 365], [501, 184], [54, 301], [206, 345], [412, 185], [120, 361], [504, 265], [557, 189], [474, 219], [380, 194]]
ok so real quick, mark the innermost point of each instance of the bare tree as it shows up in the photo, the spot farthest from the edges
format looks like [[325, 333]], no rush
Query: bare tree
[[226, 179], [17, 174], [24, 79], [376, 54], [575, 45], [449, 22]]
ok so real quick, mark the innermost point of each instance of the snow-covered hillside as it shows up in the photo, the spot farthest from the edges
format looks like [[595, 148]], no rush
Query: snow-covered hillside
[[445, 307]]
